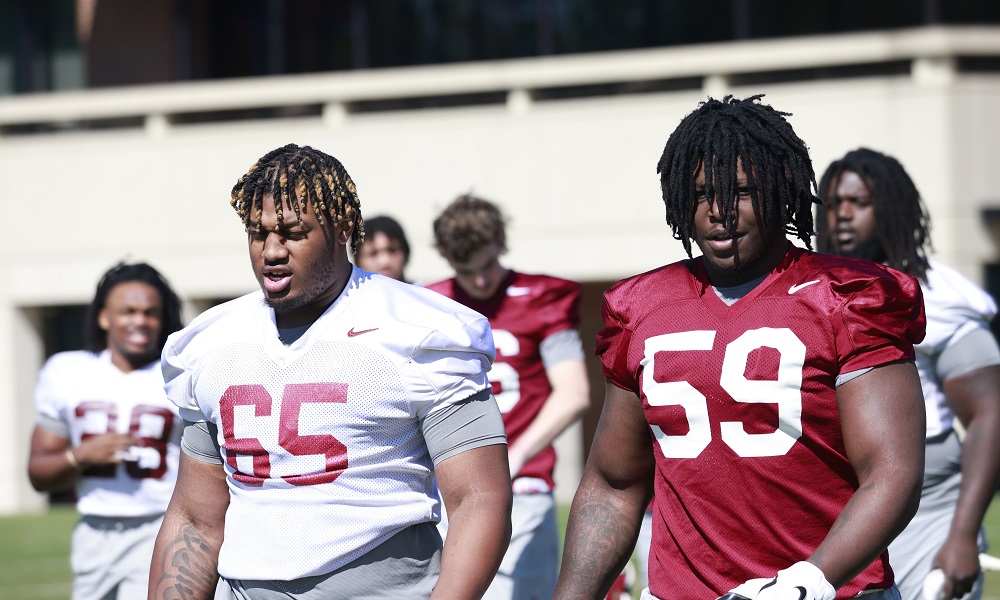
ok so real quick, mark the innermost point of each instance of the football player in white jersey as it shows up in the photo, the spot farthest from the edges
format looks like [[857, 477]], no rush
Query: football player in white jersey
[[106, 427], [873, 211], [318, 411]]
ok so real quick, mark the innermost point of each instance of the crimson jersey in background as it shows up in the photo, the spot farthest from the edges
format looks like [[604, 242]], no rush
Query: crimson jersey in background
[[751, 470], [525, 310]]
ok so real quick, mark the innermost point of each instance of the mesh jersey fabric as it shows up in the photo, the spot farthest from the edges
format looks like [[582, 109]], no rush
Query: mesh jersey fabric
[[751, 470], [321, 438], [525, 310], [955, 306], [87, 395], [456, 428]]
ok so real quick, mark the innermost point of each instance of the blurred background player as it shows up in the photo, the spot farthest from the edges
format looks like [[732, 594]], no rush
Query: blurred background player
[[539, 378], [385, 249], [873, 211], [318, 411], [765, 392], [106, 426]]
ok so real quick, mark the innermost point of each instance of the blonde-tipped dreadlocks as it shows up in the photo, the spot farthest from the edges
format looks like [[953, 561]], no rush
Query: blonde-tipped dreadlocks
[[313, 176]]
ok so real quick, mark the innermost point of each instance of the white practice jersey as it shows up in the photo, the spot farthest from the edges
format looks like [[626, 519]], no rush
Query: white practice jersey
[[321, 438], [954, 307], [81, 394]]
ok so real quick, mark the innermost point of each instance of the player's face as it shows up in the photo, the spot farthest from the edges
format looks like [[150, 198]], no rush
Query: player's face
[[132, 317], [481, 275], [751, 251], [300, 267], [850, 218], [382, 254]]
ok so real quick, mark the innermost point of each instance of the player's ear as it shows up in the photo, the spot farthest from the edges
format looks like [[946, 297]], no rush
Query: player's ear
[[345, 227], [103, 320]]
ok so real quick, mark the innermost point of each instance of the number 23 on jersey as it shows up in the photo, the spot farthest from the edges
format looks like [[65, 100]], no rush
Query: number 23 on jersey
[[785, 391], [163, 421]]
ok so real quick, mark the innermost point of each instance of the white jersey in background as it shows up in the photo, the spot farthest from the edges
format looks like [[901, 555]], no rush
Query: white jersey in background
[[81, 394], [321, 439], [954, 307]]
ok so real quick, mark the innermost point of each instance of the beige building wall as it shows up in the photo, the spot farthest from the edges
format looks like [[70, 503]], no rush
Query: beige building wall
[[577, 177]]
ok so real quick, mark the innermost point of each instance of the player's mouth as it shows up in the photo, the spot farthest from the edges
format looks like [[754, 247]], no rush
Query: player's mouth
[[276, 279], [723, 242], [845, 237], [137, 338]]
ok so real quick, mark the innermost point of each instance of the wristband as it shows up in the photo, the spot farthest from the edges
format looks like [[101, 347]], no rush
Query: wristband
[[73, 462]]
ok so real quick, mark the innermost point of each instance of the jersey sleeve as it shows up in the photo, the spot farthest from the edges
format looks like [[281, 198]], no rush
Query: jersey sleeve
[[49, 402], [559, 307], [881, 319], [466, 425], [200, 441], [177, 375], [973, 351], [614, 339], [954, 306], [451, 362], [561, 346], [184, 349]]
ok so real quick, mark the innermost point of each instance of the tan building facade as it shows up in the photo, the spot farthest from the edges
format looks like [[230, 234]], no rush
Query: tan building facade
[[567, 145]]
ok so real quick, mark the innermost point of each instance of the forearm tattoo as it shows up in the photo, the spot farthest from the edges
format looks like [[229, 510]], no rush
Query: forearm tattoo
[[600, 540], [188, 566]]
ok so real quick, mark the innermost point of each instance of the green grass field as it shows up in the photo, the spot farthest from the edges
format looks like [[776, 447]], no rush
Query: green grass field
[[34, 554]]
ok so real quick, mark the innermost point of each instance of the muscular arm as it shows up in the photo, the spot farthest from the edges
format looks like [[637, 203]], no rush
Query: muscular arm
[[608, 507], [975, 398], [568, 401], [883, 427], [49, 468], [475, 486], [186, 554]]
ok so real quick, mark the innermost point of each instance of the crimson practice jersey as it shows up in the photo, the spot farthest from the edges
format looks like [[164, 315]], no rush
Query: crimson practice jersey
[[321, 438], [81, 394], [751, 470], [525, 310]]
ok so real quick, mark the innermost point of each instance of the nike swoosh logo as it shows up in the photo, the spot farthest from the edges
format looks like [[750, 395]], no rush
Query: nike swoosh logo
[[353, 333], [799, 286], [518, 291]]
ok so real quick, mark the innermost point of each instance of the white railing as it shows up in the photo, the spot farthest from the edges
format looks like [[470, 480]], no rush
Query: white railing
[[931, 50]]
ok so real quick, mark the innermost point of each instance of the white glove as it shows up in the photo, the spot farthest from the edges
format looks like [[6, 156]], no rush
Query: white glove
[[801, 581], [934, 585]]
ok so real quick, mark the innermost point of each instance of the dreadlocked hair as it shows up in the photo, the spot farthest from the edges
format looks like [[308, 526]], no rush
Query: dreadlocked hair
[[776, 162], [294, 176], [95, 339], [902, 224]]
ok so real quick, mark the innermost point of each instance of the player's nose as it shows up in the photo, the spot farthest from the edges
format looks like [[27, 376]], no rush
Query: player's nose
[[274, 248], [845, 211]]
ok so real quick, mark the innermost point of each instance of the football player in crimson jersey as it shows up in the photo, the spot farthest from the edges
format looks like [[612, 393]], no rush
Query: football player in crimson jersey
[[539, 378], [766, 393], [106, 427], [318, 411], [873, 211]]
